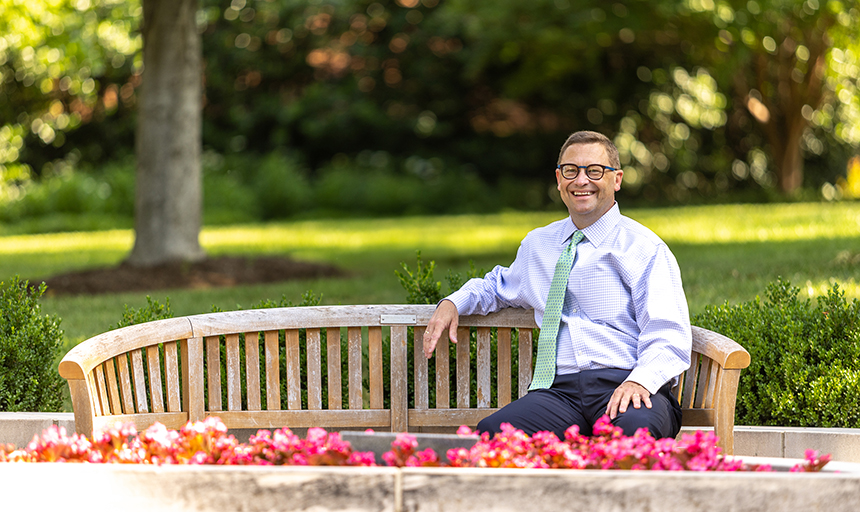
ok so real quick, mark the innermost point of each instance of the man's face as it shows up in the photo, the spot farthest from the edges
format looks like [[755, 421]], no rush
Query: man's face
[[587, 200]]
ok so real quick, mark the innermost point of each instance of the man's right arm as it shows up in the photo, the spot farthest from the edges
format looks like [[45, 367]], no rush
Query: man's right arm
[[498, 289], [445, 317]]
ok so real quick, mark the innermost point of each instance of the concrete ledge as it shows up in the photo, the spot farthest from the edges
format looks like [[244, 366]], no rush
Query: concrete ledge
[[139, 488], [842, 444], [96, 488], [518, 490], [18, 428]]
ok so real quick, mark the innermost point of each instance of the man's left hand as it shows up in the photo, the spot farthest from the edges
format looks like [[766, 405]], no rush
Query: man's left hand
[[625, 394]]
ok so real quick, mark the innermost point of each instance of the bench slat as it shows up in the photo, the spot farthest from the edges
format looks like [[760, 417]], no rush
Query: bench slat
[[713, 386], [354, 375], [252, 370], [171, 420], [399, 376], [688, 381], [697, 417], [451, 418], [702, 389], [482, 381], [422, 393], [314, 351], [443, 393], [503, 358], [234, 373], [113, 387], [525, 360], [171, 372], [193, 385], [104, 406], [125, 384], [139, 380], [91, 395], [463, 367], [273, 371], [156, 390], [355, 419], [335, 397], [374, 360], [213, 371], [294, 369]]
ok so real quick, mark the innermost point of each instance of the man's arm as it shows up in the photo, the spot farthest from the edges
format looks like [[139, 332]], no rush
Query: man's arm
[[499, 288], [445, 317], [496, 290], [665, 340]]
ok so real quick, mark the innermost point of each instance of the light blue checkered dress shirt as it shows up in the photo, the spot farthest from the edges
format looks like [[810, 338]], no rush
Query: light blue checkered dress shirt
[[625, 306]]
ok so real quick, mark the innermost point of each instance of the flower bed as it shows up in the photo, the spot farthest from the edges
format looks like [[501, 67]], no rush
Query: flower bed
[[207, 442]]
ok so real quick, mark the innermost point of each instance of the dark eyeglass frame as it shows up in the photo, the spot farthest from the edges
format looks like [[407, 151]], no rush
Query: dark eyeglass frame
[[594, 172]]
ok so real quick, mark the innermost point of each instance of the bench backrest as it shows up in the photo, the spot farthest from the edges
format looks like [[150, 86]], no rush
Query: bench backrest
[[323, 366]]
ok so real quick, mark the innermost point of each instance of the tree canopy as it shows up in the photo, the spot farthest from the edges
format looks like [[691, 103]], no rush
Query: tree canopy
[[703, 97]]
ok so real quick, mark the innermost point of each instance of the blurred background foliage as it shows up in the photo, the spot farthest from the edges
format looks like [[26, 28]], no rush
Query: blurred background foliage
[[384, 107]]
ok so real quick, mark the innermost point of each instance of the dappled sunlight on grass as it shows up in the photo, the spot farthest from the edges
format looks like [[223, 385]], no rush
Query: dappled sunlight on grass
[[467, 234], [726, 253], [475, 234], [117, 239], [752, 223]]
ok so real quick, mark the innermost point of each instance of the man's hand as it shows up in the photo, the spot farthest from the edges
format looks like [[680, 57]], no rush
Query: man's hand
[[445, 317], [624, 394]]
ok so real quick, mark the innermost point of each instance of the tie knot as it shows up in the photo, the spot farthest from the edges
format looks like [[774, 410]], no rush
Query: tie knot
[[578, 236]]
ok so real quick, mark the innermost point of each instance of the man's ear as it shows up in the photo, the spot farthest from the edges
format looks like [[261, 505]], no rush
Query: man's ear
[[619, 175]]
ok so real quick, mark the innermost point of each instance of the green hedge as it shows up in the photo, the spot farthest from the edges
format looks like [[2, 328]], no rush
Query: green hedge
[[805, 368], [30, 345]]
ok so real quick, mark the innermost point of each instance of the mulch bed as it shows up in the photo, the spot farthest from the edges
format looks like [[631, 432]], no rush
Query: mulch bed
[[212, 272]]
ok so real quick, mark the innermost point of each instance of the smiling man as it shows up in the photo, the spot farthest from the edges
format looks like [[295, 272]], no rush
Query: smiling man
[[606, 291]]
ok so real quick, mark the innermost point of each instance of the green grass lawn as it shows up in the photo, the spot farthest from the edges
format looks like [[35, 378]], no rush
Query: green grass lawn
[[726, 253]]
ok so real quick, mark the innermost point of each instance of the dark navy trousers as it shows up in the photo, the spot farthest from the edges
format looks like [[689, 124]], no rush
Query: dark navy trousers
[[581, 399]]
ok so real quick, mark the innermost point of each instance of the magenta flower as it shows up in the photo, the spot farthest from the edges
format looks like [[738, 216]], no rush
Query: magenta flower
[[207, 442]]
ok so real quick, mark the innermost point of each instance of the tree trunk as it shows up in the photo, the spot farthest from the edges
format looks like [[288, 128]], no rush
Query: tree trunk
[[168, 199], [789, 159], [791, 90]]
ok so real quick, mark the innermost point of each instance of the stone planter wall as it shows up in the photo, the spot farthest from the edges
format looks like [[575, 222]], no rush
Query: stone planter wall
[[97, 488]]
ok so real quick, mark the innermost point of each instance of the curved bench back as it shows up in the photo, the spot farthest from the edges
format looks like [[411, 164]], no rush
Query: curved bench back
[[323, 366]]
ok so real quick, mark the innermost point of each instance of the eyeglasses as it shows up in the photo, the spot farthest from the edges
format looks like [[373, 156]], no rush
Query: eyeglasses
[[594, 172]]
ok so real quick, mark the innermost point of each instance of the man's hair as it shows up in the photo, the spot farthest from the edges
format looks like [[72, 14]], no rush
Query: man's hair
[[586, 137]]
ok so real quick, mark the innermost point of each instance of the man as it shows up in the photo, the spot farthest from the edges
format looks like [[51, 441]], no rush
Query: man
[[623, 328]]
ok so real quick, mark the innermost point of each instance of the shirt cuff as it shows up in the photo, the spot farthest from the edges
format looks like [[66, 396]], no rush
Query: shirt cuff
[[461, 300], [646, 379]]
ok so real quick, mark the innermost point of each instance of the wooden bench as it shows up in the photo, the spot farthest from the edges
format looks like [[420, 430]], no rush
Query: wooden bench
[[285, 367]]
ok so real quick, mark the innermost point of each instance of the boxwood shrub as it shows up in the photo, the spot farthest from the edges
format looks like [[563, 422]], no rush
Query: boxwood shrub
[[30, 346], [805, 368]]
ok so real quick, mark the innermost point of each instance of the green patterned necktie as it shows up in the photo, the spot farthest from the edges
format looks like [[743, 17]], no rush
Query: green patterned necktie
[[545, 365]]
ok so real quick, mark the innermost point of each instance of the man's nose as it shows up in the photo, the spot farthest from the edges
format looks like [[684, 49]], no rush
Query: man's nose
[[581, 178]]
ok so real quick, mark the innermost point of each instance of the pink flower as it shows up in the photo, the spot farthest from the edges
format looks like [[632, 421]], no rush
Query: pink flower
[[464, 431], [207, 442]]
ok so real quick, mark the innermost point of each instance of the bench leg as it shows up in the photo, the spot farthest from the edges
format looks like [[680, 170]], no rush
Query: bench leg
[[83, 406], [724, 423]]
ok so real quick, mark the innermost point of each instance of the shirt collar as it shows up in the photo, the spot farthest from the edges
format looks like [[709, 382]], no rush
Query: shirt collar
[[598, 231]]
